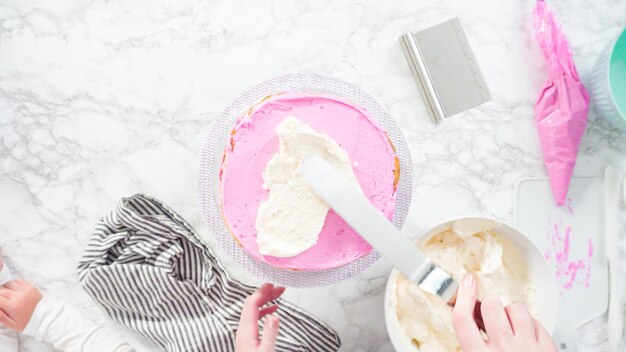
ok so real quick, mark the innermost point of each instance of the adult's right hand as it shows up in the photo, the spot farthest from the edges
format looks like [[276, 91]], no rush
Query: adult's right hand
[[509, 329]]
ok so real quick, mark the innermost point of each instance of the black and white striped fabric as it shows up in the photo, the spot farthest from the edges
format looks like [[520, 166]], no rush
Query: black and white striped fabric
[[149, 270]]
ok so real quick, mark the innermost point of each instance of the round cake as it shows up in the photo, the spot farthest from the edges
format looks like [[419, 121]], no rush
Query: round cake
[[253, 142]]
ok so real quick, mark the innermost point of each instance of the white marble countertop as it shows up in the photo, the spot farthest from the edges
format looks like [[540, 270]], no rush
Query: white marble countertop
[[99, 98]]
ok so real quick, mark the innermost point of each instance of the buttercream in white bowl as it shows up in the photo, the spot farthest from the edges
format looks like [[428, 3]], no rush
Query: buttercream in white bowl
[[454, 247]]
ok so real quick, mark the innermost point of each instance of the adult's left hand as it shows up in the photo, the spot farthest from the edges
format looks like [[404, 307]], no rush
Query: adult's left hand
[[247, 339]]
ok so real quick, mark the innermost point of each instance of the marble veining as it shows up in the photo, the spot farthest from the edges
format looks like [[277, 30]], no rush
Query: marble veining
[[103, 99]]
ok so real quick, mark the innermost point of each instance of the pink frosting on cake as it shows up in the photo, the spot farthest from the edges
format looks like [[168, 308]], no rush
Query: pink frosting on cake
[[252, 144]]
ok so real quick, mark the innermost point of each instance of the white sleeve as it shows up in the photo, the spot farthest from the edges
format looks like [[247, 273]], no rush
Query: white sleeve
[[8, 338], [67, 331]]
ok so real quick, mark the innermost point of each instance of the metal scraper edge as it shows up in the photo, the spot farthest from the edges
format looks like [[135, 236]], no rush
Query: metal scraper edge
[[445, 96]]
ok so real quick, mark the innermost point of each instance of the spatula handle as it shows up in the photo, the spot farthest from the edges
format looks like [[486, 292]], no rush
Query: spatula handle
[[612, 247], [331, 186]]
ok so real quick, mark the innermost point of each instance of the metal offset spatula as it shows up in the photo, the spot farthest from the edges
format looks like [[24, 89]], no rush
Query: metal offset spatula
[[330, 185]]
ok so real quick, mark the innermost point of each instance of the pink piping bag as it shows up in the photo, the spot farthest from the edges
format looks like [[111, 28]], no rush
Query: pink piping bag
[[562, 106]]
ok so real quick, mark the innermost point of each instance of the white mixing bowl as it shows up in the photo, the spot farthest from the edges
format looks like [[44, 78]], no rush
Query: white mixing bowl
[[539, 273]]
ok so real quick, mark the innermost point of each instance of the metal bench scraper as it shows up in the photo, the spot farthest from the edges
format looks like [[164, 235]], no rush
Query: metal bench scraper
[[444, 67]]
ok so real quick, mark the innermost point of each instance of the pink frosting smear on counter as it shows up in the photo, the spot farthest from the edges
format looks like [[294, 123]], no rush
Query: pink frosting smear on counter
[[570, 271], [252, 144]]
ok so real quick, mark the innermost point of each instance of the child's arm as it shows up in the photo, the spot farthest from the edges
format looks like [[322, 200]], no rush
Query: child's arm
[[22, 308], [8, 338], [66, 330]]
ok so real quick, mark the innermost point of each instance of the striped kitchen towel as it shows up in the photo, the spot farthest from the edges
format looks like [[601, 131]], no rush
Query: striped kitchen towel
[[149, 270]]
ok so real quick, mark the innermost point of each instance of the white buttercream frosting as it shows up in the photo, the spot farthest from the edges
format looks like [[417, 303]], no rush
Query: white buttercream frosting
[[290, 220], [467, 246]]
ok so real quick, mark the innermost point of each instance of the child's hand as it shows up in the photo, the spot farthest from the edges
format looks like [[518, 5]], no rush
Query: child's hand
[[247, 339], [509, 329], [18, 300]]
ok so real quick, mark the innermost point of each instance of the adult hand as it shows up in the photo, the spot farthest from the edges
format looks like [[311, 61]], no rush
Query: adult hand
[[18, 300], [509, 329], [247, 339]]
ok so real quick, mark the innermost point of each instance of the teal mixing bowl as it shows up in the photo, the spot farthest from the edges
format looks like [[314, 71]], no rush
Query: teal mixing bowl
[[608, 82]]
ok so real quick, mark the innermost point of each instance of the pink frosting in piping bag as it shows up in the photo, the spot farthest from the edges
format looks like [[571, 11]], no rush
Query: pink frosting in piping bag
[[562, 106], [254, 142]]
